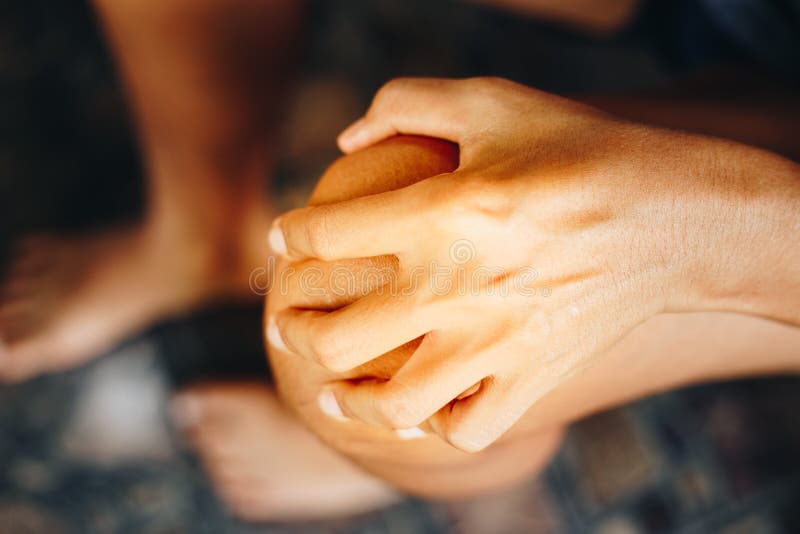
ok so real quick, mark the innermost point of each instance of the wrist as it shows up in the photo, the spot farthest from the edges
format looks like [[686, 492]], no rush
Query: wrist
[[746, 238]]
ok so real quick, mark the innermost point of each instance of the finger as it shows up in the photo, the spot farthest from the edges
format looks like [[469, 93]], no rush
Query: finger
[[321, 285], [475, 422], [422, 106], [346, 338], [374, 225], [429, 380]]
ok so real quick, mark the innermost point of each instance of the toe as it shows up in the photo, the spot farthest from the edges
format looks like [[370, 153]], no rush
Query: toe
[[221, 404], [22, 360], [209, 416], [186, 410], [201, 406], [229, 473], [207, 421], [248, 500]]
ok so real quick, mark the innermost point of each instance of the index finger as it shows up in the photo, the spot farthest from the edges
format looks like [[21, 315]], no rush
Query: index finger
[[374, 225]]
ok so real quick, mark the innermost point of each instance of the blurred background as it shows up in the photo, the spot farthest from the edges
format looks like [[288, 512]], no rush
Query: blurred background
[[92, 449]]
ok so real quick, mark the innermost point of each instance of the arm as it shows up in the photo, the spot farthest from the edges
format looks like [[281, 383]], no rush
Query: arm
[[667, 351]]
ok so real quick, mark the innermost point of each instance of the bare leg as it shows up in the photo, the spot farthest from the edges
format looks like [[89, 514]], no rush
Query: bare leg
[[204, 79]]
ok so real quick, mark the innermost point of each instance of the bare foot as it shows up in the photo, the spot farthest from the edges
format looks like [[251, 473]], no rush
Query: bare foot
[[264, 464], [66, 300]]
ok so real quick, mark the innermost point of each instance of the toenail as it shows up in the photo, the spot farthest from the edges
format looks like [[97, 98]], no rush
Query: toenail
[[277, 242], [185, 410], [274, 335], [414, 432], [330, 406]]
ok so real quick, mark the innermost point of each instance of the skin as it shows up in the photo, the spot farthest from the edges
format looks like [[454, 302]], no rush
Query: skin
[[233, 426], [405, 463], [675, 223], [664, 352]]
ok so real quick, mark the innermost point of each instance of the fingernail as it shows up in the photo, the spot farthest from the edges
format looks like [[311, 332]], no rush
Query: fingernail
[[330, 406], [3, 353], [410, 433], [185, 410], [274, 335], [276, 240], [351, 132]]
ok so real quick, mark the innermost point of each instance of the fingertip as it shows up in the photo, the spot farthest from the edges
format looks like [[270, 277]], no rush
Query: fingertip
[[276, 238], [274, 336], [349, 139], [329, 405]]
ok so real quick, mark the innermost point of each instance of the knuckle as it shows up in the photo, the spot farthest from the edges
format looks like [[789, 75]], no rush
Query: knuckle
[[387, 94], [397, 84], [390, 94], [326, 348], [500, 96], [394, 406], [487, 85], [466, 439], [473, 201], [317, 235]]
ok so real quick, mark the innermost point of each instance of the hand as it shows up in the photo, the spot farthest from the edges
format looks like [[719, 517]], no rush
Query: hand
[[561, 230]]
